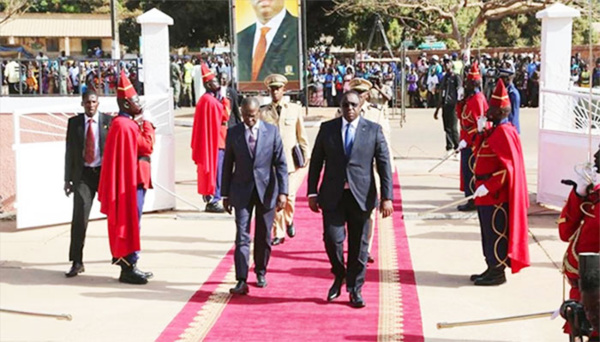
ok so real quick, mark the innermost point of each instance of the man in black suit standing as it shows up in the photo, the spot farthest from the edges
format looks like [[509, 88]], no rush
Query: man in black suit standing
[[86, 134], [254, 175], [347, 146], [269, 46]]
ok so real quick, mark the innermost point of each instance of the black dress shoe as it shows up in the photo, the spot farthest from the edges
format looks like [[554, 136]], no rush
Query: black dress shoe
[[335, 290], [469, 206], [291, 230], [215, 207], [132, 276], [241, 288], [261, 281], [76, 268], [494, 277], [475, 276], [277, 241], [370, 259], [356, 299]]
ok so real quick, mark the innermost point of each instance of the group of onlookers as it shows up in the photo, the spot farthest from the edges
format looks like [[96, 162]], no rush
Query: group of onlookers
[[66, 75]]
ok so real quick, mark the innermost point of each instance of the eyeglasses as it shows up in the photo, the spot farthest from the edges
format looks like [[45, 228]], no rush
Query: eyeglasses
[[349, 104]]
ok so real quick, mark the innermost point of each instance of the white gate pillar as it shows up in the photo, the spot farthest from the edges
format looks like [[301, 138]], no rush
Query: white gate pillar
[[555, 56], [155, 51]]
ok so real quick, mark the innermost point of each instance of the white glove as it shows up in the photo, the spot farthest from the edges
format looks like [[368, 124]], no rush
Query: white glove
[[460, 93], [584, 178], [481, 191], [147, 116], [481, 122], [461, 145]]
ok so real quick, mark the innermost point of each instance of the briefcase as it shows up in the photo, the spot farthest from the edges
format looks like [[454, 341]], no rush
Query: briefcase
[[298, 156]]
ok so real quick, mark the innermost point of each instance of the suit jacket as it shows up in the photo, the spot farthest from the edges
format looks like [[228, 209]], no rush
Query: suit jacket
[[291, 129], [282, 57], [267, 171], [369, 144], [234, 117], [76, 144]]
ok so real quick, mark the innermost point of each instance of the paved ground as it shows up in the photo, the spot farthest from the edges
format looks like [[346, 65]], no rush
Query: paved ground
[[182, 248]]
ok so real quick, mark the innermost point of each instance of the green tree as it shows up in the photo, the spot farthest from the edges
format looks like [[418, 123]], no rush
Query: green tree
[[196, 21], [461, 23]]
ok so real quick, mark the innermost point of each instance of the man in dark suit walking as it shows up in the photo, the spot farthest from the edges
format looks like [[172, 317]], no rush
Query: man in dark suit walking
[[254, 175], [348, 146], [269, 46], [86, 134]]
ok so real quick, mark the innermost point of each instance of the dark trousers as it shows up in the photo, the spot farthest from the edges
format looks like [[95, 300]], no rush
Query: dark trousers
[[450, 126], [493, 220], [83, 198], [263, 223], [329, 96], [141, 197], [467, 165], [217, 196], [348, 213]]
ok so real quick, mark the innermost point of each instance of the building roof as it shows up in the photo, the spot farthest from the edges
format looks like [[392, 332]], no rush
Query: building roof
[[57, 25]]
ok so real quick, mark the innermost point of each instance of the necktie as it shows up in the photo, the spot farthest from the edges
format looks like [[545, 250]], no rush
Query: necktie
[[278, 109], [90, 144], [349, 139], [259, 53], [251, 142]]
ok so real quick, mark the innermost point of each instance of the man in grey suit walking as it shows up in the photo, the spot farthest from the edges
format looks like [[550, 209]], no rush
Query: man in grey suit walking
[[254, 175], [347, 146]]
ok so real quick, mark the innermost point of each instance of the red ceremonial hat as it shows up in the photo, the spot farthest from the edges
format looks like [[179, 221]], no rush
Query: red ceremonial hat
[[474, 74], [125, 89], [207, 74], [500, 96]]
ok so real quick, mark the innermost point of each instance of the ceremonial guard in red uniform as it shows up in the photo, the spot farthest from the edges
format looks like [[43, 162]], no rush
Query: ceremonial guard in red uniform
[[501, 193], [579, 224], [468, 111], [117, 191], [146, 140], [208, 140]]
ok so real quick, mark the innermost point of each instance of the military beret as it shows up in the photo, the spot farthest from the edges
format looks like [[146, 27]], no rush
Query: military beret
[[275, 80], [360, 84]]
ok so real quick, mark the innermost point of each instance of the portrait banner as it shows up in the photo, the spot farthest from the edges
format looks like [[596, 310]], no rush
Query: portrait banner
[[267, 41]]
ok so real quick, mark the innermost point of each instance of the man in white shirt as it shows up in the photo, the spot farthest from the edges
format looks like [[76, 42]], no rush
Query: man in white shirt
[[270, 45], [11, 73]]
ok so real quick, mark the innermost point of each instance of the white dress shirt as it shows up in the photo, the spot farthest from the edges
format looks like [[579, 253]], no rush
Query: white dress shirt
[[247, 135], [345, 123], [273, 24], [96, 130]]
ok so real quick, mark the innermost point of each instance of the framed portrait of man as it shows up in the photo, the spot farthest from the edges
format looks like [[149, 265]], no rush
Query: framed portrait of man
[[267, 41]]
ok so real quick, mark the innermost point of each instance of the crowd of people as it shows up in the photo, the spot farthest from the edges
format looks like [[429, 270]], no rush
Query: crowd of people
[[329, 76], [66, 75]]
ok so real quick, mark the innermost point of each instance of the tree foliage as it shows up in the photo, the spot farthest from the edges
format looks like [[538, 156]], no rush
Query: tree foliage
[[461, 23], [196, 21]]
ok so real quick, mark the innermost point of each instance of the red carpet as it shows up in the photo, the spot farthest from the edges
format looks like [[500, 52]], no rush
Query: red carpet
[[293, 307]]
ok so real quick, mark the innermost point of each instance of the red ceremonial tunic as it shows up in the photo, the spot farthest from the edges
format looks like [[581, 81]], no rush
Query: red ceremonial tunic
[[208, 136], [579, 224], [468, 112], [500, 167], [117, 190], [145, 147]]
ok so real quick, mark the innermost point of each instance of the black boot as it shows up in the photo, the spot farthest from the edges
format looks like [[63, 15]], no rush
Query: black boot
[[130, 274], [475, 276], [147, 275], [495, 276], [469, 206]]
